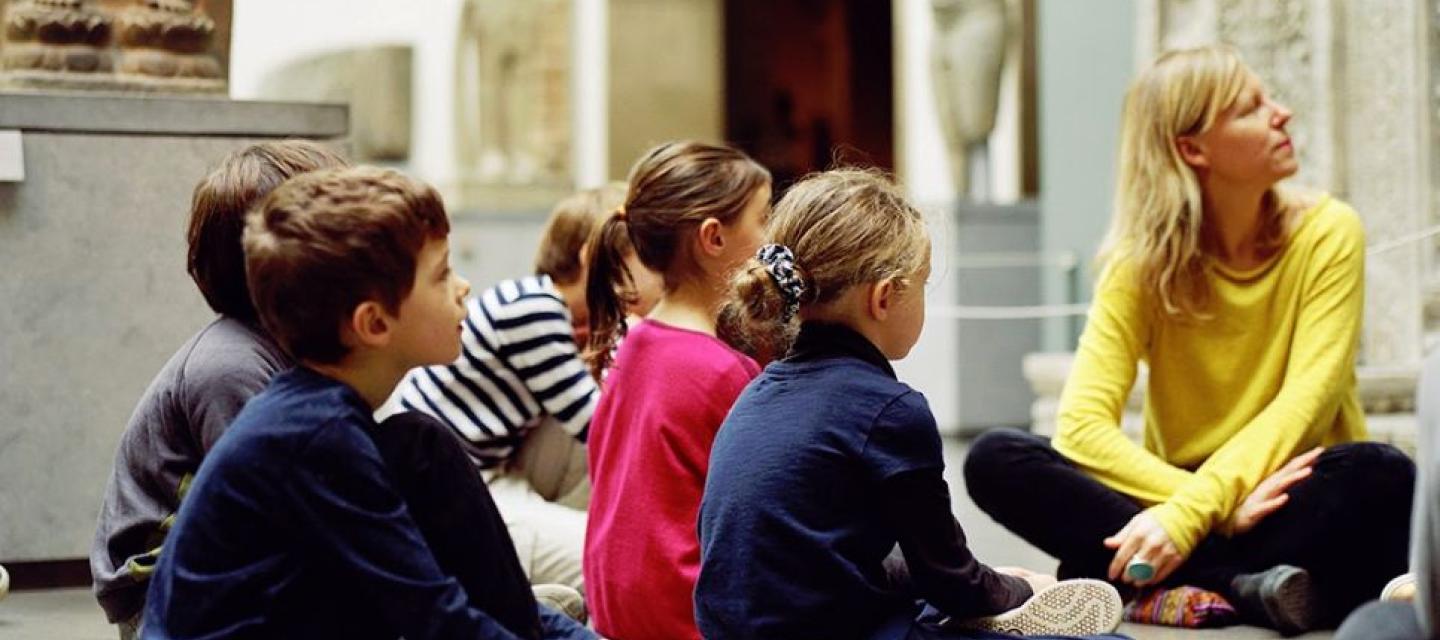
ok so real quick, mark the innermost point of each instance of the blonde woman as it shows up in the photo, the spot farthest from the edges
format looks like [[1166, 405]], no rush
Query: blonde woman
[[1244, 298]]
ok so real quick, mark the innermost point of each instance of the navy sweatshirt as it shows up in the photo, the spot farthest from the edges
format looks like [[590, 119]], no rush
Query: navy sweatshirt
[[293, 529], [825, 463]]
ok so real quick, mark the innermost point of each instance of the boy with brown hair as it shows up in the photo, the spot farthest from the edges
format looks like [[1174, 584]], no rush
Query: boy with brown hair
[[296, 525], [198, 392]]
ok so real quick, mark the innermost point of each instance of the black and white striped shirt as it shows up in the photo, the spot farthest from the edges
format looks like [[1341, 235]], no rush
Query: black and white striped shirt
[[518, 364]]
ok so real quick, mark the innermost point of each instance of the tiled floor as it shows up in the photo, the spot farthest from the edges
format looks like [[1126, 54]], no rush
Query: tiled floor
[[72, 614]]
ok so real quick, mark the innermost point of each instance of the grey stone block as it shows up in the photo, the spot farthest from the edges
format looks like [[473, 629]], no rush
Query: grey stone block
[[152, 115], [94, 296]]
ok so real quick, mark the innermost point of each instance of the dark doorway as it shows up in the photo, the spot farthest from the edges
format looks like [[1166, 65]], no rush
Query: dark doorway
[[809, 84]]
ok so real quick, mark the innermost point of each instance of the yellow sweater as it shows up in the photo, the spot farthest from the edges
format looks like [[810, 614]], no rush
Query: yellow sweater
[[1232, 398]]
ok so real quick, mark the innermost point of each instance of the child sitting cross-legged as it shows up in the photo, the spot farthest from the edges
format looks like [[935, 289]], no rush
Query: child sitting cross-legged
[[297, 523], [826, 461]]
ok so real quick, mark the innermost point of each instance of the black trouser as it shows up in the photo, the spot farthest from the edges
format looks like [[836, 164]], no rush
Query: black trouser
[[1348, 524], [452, 506]]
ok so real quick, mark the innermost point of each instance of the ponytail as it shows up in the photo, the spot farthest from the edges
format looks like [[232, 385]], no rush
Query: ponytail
[[608, 277]]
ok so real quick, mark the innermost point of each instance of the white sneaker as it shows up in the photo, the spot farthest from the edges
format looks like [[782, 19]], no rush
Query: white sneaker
[[4, 582], [1072, 607]]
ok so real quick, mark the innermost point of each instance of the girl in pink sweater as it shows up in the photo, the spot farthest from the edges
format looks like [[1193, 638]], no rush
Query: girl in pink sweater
[[693, 213]]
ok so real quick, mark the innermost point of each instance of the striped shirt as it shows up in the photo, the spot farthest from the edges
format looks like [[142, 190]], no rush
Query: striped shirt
[[518, 364]]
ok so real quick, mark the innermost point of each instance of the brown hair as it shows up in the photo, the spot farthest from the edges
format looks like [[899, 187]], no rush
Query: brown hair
[[324, 242], [673, 189], [216, 260], [846, 227], [571, 223]]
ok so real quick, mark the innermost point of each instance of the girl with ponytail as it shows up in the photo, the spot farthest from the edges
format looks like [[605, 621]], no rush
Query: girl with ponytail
[[693, 213]]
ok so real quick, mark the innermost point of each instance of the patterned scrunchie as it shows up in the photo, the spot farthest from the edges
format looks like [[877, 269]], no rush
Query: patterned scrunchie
[[779, 262]]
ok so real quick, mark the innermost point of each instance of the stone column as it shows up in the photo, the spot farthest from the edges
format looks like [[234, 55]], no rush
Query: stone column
[[1386, 163]]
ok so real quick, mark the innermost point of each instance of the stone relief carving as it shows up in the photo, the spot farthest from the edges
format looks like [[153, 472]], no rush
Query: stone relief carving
[[513, 92], [166, 39], [147, 45], [55, 37]]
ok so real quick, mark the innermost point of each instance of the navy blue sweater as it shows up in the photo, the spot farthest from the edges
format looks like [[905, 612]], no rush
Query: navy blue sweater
[[825, 463], [293, 529]]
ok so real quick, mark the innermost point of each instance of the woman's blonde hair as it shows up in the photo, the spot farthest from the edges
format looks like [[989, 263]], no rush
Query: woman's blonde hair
[[845, 227], [1159, 214]]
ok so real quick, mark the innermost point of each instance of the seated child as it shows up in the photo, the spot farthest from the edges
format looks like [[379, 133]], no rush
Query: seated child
[[826, 462], [198, 392], [295, 526], [520, 371], [693, 213]]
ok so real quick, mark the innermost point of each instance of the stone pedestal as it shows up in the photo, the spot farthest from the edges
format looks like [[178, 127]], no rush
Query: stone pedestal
[[95, 294], [998, 263]]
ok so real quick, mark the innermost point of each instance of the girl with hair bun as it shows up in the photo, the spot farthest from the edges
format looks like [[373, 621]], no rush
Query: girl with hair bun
[[827, 462]]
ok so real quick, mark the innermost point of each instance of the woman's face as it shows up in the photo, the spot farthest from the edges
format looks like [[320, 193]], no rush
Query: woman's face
[[1247, 144]]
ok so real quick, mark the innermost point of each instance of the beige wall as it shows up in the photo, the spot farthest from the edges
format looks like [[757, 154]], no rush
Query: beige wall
[[671, 52]]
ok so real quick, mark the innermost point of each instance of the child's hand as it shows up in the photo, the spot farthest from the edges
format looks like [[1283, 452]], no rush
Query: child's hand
[[1270, 494], [1038, 581], [1144, 538]]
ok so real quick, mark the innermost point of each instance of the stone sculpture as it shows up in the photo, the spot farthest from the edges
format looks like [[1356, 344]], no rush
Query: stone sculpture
[[968, 54], [145, 45]]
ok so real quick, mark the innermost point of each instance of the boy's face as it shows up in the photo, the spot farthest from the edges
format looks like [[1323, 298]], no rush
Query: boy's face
[[427, 330]]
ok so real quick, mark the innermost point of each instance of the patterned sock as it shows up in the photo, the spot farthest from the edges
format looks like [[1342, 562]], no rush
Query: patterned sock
[[1187, 607]]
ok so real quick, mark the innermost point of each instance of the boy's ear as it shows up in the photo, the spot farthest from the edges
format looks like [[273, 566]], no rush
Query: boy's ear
[[370, 324], [880, 298], [711, 237], [1192, 152]]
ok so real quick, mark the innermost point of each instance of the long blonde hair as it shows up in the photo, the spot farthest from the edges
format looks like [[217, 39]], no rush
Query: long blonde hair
[[1159, 213], [845, 227]]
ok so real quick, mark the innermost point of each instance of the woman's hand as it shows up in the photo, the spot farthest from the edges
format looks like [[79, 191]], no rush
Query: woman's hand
[[1270, 494], [1143, 538], [1038, 581]]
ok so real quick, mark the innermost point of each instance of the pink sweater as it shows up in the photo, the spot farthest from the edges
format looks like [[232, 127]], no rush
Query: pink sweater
[[663, 400]]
